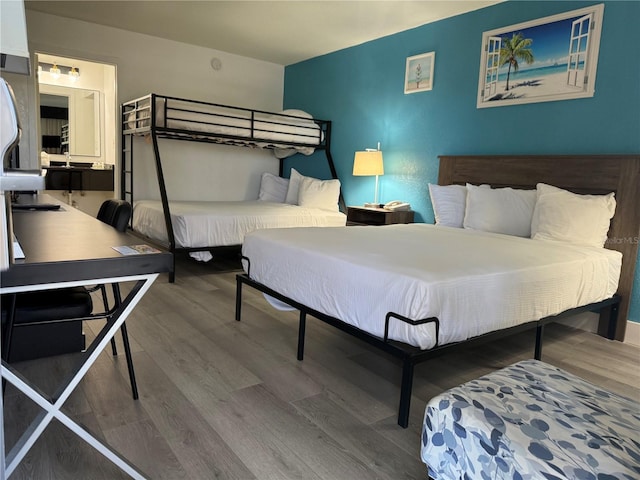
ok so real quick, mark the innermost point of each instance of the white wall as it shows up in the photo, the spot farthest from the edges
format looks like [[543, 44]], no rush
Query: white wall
[[148, 64]]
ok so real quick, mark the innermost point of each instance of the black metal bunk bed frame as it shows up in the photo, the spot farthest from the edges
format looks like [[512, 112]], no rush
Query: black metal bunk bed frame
[[139, 117], [411, 356]]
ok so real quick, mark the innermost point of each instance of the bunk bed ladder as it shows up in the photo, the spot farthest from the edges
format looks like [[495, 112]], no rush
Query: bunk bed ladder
[[127, 180], [126, 170]]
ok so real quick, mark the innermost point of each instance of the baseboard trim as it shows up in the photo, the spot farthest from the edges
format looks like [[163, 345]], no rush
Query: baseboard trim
[[632, 334], [588, 321]]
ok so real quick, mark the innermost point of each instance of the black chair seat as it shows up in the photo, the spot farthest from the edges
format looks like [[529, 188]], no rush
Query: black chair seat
[[50, 305], [46, 337]]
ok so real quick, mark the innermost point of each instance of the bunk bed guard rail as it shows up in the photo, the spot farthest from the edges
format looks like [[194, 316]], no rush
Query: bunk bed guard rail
[[182, 119]]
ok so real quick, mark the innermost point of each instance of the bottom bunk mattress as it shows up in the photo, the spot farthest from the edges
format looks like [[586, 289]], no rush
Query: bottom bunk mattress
[[531, 421], [216, 224], [473, 282]]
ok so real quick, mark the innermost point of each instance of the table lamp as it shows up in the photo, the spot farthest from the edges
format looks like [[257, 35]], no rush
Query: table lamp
[[369, 163]]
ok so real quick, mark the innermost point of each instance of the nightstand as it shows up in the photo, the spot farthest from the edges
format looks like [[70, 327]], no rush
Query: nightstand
[[377, 216]]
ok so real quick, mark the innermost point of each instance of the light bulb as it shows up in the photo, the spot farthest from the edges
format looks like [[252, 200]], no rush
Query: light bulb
[[73, 74], [55, 71]]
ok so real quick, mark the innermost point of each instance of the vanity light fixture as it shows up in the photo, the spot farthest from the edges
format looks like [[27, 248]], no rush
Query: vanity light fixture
[[57, 71]]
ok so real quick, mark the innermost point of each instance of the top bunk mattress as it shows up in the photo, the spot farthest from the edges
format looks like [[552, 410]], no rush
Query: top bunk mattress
[[287, 131], [213, 224], [473, 282]]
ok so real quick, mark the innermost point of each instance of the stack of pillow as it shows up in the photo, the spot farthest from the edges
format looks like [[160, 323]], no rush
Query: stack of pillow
[[307, 192], [546, 213]]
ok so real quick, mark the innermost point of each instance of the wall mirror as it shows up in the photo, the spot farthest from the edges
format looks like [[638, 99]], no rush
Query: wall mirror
[[70, 120]]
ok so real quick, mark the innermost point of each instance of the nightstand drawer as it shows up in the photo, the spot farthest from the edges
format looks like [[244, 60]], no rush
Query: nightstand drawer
[[377, 216]]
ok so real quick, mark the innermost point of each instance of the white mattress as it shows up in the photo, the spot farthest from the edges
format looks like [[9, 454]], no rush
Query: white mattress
[[473, 282], [274, 129], [213, 224]]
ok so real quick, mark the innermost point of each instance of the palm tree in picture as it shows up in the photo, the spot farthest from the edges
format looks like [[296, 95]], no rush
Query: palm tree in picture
[[418, 75], [514, 49]]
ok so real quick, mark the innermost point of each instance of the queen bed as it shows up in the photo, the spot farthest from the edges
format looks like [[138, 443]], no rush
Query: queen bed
[[417, 290], [472, 282]]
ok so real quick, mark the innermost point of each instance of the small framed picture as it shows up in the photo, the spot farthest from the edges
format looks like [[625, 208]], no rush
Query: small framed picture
[[419, 73]]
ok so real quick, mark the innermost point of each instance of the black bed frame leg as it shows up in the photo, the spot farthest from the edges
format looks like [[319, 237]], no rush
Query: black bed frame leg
[[405, 393], [613, 321], [238, 298], [537, 354], [301, 329]]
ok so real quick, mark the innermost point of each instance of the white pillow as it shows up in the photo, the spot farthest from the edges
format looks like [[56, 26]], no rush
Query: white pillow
[[294, 185], [448, 203], [273, 188], [296, 113], [568, 217], [500, 210], [304, 120], [322, 194]]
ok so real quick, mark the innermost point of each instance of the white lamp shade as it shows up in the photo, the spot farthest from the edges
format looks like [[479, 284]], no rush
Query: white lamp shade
[[368, 163]]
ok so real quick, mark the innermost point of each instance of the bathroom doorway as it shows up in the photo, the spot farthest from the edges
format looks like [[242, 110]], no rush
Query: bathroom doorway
[[77, 122]]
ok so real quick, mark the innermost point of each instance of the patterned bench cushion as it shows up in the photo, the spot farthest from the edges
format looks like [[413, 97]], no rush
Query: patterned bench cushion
[[531, 421]]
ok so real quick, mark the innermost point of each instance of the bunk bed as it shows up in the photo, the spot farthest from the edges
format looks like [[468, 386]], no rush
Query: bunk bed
[[390, 299], [157, 117]]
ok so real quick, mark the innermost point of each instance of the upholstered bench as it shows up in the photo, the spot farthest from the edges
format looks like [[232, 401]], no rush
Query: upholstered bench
[[531, 421]]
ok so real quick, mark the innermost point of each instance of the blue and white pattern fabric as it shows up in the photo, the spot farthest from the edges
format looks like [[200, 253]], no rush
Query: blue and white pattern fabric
[[531, 421]]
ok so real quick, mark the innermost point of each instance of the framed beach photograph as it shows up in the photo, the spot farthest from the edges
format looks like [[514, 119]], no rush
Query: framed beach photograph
[[548, 59], [418, 76]]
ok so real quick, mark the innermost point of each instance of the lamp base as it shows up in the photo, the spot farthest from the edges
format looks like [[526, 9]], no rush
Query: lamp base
[[372, 205]]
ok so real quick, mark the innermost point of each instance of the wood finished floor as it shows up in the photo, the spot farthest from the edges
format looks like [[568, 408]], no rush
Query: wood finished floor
[[228, 400]]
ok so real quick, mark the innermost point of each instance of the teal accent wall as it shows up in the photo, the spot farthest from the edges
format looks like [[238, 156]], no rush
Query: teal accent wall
[[361, 89]]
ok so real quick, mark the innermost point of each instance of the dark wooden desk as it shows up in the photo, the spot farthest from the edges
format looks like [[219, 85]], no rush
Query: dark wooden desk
[[69, 245], [63, 248]]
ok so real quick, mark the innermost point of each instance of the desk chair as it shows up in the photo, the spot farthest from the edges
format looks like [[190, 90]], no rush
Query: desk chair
[[117, 213], [63, 310]]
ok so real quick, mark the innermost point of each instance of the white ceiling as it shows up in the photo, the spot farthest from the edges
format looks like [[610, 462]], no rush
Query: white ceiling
[[281, 32]]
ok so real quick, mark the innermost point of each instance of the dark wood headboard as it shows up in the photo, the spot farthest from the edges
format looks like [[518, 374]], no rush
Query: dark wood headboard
[[595, 174]]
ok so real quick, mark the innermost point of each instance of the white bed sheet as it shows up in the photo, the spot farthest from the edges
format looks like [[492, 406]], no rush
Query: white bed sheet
[[212, 224], [473, 282]]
